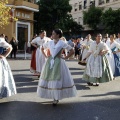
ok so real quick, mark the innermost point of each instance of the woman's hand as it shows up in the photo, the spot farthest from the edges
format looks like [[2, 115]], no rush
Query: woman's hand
[[1, 56], [115, 52], [102, 53], [66, 57], [62, 57], [42, 48], [84, 47], [34, 45]]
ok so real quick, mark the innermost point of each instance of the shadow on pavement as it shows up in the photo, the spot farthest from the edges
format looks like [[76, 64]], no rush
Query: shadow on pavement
[[79, 80], [21, 70], [76, 73], [26, 83], [91, 110], [76, 68], [117, 93], [24, 78], [82, 87], [26, 89]]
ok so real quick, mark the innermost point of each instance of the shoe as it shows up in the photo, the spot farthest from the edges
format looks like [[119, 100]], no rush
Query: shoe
[[96, 84], [38, 76], [55, 102], [90, 84], [35, 74]]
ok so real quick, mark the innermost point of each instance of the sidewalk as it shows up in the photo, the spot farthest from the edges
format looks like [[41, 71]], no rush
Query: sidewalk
[[22, 56]]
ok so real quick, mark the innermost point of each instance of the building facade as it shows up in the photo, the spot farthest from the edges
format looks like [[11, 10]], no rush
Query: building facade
[[78, 6], [22, 29]]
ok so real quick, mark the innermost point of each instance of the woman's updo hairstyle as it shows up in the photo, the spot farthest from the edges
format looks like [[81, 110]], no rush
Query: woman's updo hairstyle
[[58, 32], [41, 31]]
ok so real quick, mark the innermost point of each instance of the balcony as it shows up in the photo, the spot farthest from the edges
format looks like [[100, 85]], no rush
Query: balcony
[[27, 4]]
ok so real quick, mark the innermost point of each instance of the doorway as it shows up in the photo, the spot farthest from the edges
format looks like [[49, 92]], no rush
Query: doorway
[[22, 34]]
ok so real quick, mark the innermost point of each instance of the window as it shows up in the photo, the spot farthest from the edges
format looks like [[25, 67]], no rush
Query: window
[[85, 3], [101, 2], [107, 1], [79, 20], [92, 3], [80, 5], [75, 7]]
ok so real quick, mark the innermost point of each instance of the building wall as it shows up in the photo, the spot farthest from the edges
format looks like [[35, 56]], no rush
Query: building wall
[[78, 6], [7, 30], [24, 12]]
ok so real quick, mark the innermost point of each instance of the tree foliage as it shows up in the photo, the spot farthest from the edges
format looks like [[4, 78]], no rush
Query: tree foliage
[[5, 13], [92, 17], [54, 14], [111, 20]]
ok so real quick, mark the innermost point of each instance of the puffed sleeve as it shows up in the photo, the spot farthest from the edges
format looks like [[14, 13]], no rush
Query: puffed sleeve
[[5, 44], [117, 45], [66, 46], [48, 39], [35, 40], [91, 47], [106, 47]]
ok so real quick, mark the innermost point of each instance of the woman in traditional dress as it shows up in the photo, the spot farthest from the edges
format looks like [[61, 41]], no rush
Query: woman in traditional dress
[[118, 41], [40, 58], [33, 58], [56, 81], [98, 69], [86, 45], [65, 52], [7, 84], [106, 39], [114, 58]]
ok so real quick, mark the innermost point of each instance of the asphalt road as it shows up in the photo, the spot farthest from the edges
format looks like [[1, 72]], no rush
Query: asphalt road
[[91, 103]]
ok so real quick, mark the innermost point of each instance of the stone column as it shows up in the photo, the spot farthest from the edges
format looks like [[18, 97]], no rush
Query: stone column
[[96, 3], [88, 4]]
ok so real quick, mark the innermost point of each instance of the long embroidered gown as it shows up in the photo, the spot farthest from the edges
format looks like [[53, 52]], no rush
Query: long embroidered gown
[[98, 69], [56, 81], [7, 84], [40, 58], [114, 59], [85, 50]]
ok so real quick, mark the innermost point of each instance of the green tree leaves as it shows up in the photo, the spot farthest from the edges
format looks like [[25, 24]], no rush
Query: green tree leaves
[[54, 14], [92, 17], [110, 19]]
